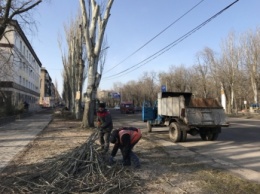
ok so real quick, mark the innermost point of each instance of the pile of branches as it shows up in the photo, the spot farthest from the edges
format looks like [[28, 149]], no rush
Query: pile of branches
[[85, 170]]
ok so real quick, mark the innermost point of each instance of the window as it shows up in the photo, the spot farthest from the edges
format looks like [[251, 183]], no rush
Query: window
[[21, 46]]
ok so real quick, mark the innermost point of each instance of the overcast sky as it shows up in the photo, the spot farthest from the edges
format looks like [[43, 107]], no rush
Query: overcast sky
[[150, 24]]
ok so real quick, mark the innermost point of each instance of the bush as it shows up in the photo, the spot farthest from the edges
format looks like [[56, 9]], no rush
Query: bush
[[10, 110]]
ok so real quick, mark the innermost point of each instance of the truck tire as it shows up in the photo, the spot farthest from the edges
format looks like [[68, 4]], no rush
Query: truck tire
[[183, 136], [149, 126], [209, 136], [175, 132]]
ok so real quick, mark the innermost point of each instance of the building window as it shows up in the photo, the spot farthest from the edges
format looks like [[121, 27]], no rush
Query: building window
[[21, 46]]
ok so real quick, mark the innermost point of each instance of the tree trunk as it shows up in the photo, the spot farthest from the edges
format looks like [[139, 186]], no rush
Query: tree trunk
[[93, 29]]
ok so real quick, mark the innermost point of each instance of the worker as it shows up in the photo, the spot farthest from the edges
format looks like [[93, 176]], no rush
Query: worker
[[125, 139], [105, 126]]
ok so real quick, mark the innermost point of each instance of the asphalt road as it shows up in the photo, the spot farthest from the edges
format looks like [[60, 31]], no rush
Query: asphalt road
[[237, 147], [238, 144]]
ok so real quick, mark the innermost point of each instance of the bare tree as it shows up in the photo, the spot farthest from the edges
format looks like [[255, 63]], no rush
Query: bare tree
[[175, 79], [73, 62], [94, 25], [251, 59], [149, 85], [230, 68], [145, 89], [202, 69], [214, 73], [10, 9]]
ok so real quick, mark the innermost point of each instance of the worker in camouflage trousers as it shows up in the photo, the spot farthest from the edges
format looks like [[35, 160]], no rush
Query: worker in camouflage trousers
[[125, 139], [105, 126]]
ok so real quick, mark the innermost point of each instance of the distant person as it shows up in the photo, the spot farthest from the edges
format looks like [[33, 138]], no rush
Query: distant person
[[105, 126], [25, 105], [125, 139]]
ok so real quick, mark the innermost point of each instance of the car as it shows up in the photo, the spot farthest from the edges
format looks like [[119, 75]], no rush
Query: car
[[117, 108]]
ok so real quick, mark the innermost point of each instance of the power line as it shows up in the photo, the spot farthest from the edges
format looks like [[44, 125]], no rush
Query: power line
[[169, 46], [155, 36]]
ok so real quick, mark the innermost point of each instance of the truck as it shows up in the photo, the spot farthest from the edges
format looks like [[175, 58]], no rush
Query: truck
[[185, 114]]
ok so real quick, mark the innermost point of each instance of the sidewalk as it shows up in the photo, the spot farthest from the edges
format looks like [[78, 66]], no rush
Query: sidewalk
[[15, 136]]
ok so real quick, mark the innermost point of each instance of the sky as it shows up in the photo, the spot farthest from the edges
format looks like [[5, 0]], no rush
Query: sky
[[138, 29]]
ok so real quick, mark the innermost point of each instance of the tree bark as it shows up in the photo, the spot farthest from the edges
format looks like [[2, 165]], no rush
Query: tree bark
[[93, 30]]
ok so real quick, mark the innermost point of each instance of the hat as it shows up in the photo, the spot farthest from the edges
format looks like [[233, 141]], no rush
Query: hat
[[102, 105], [114, 136]]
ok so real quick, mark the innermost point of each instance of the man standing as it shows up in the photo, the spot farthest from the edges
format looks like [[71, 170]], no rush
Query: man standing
[[105, 126], [125, 139]]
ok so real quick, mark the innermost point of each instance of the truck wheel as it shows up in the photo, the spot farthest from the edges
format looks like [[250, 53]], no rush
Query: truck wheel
[[149, 126], [214, 136], [175, 132], [209, 136], [183, 135]]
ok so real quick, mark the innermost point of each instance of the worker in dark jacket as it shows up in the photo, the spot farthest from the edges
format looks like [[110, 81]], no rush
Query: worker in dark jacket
[[125, 139], [105, 126]]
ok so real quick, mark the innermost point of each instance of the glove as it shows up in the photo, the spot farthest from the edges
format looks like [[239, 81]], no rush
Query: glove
[[111, 160], [98, 124]]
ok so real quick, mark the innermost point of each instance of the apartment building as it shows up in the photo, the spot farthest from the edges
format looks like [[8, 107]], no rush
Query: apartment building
[[22, 77], [19, 68], [49, 96]]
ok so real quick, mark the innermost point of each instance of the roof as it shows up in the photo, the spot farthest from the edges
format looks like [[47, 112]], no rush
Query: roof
[[18, 28]]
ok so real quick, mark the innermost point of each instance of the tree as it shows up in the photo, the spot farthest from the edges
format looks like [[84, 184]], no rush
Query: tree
[[202, 69], [251, 48], [94, 25], [149, 85], [175, 79], [73, 62], [230, 62], [10, 9]]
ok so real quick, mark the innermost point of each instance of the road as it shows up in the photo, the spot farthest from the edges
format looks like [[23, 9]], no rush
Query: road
[[238, 144], [237, 148]]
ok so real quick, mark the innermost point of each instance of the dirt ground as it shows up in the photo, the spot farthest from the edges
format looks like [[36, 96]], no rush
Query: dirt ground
[[159, 172]]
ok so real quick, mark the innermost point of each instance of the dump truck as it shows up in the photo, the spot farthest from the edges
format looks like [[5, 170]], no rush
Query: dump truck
[[184, 114]]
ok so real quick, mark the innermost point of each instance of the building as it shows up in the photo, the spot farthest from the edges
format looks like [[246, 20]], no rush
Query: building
[[111, 98], [19, 69], [49, 96]]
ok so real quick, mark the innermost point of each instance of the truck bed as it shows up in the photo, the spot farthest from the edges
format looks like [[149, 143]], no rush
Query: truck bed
[[200, 112]]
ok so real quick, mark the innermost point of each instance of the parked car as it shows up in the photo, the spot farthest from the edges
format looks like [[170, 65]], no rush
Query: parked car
[[117, 108], [127, 108]]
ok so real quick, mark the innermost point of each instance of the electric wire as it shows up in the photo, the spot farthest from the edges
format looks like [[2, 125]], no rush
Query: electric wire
[[169, 46], [175, 21]]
